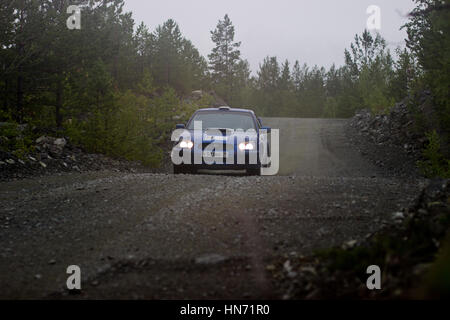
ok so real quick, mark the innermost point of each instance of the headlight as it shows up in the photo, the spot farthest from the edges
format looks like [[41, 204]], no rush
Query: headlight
[[246, 146], [186, 144]]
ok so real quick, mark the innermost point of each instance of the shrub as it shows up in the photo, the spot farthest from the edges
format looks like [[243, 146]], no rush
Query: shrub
[[434, 163], [15, 139], [136, 126]]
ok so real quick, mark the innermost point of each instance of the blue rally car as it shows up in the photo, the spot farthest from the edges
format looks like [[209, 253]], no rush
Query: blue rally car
[[221, 138]]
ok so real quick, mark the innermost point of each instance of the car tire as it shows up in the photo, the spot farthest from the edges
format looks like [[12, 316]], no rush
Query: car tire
[[254, 172], [178, 170], [182, 170]]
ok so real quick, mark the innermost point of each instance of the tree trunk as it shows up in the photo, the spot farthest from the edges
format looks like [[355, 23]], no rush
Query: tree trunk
[[5, 96], [20, 79], [59, 102], [19, 105]]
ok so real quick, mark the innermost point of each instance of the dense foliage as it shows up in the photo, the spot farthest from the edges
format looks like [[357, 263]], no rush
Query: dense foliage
[[429, 42], [109, 87]]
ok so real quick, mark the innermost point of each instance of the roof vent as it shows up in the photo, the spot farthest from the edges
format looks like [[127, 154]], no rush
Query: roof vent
[[224, 108]]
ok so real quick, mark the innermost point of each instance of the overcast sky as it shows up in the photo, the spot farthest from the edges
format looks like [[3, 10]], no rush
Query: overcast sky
[[311, 31]]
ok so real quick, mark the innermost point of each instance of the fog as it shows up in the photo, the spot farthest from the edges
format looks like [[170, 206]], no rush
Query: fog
[[315, 32]]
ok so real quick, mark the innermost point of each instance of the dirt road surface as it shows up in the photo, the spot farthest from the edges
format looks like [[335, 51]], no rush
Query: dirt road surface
[[162, 236]]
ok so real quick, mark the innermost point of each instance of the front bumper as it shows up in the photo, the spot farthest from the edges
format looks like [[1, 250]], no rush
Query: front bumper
[[219, 167], [234, 160]]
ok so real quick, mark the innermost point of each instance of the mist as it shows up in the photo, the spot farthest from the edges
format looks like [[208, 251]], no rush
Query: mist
[[313, 32]]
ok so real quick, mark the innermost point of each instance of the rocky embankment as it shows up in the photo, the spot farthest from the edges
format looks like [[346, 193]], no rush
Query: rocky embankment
[[411, 250], [391, 141], [56, 155]]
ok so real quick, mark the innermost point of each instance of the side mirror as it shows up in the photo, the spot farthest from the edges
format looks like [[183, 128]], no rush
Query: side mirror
[[267, 129], [180, 126]]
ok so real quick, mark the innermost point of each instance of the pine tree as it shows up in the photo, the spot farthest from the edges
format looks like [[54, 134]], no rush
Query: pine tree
[[168, 46], [269, 74], [429, 40], [224, 57], [285, 78]]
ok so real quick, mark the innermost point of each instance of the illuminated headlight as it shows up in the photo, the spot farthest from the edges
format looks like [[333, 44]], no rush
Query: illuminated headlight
[[246, 146], [186, 144]]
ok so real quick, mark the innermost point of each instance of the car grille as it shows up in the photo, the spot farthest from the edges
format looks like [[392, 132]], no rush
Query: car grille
[[225, 146]]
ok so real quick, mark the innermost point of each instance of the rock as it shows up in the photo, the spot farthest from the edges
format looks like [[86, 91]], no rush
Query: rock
[[197, 94], [287, 266], [422, 212], [210, 259], [41, 140], [270, 267], [389, 140], [308, 270], [22, 127], [288, 269], [57, 155], [398, 215], [60, 142], [55, 151], [351, 243]]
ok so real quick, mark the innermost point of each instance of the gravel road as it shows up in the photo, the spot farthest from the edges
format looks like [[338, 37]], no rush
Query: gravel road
[[161, 236]]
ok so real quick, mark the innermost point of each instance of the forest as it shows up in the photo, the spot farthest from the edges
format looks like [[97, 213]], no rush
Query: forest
[[118, 88]]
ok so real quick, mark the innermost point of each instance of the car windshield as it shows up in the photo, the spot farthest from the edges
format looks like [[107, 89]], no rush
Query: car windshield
[[224, 120]]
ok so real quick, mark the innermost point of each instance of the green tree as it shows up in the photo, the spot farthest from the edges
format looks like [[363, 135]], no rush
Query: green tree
[[286, 95], [267, 82], [175, 61], [18, 52], [224, 58], [167, 58], [368, 72], [429, 40], [285, 82], [405, 74], [241, 83]]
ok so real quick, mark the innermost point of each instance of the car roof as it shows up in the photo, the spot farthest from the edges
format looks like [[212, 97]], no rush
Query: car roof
[[226, 110]]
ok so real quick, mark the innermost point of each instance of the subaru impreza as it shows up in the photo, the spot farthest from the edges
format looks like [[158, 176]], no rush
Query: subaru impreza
[[221, 139]]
